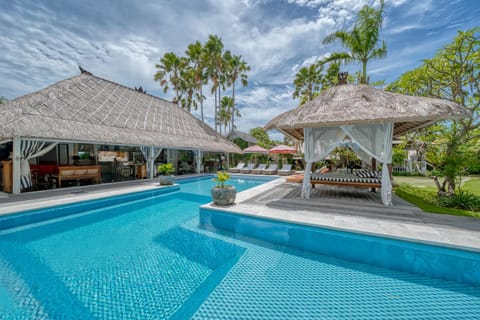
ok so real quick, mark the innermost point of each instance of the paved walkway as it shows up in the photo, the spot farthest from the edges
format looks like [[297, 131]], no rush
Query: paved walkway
[[356, 210], [10, 203]]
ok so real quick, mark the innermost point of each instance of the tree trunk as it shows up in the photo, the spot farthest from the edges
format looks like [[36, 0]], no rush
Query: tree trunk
[[201, 102], [233, 107]]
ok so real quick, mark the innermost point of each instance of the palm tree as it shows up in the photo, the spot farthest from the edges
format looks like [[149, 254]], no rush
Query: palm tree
[[196, 56], [169, 70], [236, 68], [362, 41], [307, 82], [225, 112], [214, 64]]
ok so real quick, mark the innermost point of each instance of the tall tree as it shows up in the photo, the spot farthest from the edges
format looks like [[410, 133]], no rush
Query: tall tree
[[197, 59], [236, 69], [225, 113], [262, 137], [307, 82], [362, 42], [169, 70], [453, 74], [215, 63]]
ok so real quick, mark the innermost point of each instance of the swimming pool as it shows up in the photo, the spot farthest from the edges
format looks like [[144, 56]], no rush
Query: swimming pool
[[145, 257]]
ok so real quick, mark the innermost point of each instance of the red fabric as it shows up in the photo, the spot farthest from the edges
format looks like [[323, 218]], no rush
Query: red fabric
[[44, 169]]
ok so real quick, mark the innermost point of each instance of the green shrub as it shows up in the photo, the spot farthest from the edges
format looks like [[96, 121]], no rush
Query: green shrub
[[461, 200]]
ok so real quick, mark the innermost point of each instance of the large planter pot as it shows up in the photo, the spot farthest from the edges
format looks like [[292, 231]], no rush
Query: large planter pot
[[224, 196], [165, 180]]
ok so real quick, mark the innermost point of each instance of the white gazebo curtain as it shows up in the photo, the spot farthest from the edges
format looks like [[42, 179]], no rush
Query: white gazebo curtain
[[150, 154], [30, 149], [374, 139], [318, 143]]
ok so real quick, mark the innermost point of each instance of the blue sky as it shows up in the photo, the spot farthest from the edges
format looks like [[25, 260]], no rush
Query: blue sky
[[43, 42]]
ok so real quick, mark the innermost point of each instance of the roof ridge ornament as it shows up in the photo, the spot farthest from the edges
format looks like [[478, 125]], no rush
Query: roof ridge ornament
[[84, 71], [342, 78]]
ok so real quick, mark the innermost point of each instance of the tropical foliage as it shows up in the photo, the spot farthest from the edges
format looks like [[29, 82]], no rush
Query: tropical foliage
[[207, 64], [262, 137], [310, 81], [454, 74], [362, 42], [221, 178]]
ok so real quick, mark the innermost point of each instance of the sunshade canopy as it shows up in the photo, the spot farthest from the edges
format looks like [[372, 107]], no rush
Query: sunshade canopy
[[362, 104], [255, 149], [282, 149]]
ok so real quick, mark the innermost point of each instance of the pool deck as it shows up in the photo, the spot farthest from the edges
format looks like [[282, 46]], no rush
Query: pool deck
[[10, 203], [355, 210], [348, 209]]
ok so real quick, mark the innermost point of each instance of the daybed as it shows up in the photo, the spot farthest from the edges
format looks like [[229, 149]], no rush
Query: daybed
[[362, 178]]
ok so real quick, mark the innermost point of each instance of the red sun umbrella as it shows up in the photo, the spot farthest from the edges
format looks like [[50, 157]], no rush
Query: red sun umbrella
[[282, 149], [255, 149]]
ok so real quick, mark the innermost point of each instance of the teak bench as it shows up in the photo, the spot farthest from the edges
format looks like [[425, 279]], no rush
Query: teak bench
[[79, 173]]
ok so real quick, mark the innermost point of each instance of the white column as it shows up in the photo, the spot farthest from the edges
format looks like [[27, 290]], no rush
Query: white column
[[16, 160], [150, 161], [199, 161]]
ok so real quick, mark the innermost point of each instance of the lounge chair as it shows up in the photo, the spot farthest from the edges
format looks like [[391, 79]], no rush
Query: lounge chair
[[248, 169], [272, 169], [236, 169], [286, 170], [260, 168]]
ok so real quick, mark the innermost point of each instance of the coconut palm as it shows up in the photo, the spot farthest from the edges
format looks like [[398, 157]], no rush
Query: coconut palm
[[214, 64], [237, 68], [169, 70], [307, 82], [225, 112], [196, 56], [362, 42]]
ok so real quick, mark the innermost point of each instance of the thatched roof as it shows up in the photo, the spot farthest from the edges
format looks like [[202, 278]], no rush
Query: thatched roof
[[242, 135], [362, 104], [87, 108]]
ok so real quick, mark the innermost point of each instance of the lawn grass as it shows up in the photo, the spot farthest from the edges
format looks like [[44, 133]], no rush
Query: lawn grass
[[472, 184], [418, 191]]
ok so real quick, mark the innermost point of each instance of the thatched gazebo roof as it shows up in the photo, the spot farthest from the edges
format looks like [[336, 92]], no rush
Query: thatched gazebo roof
[[362, 104], [90, 109]]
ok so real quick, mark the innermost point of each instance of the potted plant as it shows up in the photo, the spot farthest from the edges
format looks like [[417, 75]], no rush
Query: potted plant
[[222, 194], [165, 170]]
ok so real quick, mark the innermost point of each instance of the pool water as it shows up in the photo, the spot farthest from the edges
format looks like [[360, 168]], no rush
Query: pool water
[[149, 259]]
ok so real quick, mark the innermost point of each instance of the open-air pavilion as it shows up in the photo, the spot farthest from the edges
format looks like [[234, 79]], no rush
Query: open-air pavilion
[[89, 119], [363, 116]]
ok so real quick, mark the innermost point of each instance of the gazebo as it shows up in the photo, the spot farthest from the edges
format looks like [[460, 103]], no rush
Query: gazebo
[[88, 109], [369, 117]]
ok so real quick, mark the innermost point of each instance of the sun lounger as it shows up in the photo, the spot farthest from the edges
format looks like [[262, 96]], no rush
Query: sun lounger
[[272, 169], [236, 169], [259, 169], [286, 170], [248, 169]]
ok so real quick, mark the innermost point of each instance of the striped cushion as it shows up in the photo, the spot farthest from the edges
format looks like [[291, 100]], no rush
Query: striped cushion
[[344, 178], [364, 173]]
